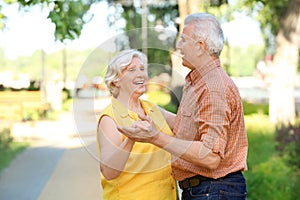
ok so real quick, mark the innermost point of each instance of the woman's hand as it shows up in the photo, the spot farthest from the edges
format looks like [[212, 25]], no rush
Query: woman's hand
[[143, 130]]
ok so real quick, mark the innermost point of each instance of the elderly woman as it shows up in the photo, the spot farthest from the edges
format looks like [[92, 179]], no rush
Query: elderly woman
[[132, 170]]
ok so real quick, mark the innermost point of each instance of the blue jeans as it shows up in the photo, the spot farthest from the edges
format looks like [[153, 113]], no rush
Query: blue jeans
[[231, 187]]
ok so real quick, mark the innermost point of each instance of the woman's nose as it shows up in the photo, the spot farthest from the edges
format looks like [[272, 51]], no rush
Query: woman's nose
[[140, 72]]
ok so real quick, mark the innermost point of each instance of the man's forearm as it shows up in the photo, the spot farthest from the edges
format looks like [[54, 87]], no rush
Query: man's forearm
[[191, 151]]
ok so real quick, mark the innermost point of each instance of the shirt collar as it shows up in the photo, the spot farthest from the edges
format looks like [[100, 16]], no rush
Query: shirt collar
[[124, 112], [201, 71]]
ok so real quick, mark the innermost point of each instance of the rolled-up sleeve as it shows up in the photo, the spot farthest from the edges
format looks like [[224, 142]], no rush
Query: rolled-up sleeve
[[214, 122]]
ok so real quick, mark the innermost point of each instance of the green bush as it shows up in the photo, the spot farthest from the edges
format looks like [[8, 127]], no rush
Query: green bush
[[268, 177], [5, 139], [270, 180], [9, 149], [288, 143]]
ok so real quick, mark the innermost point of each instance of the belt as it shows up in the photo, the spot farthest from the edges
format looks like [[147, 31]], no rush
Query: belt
[[192, 181], [196, 180]]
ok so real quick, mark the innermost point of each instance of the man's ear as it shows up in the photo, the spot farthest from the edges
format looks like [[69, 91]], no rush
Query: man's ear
[[200, 48], [116, 82]]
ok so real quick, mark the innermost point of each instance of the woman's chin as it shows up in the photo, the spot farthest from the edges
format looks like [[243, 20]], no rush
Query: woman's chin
[[140, 91]]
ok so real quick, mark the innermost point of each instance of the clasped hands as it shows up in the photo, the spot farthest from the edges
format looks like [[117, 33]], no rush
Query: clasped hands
[[143, 130]]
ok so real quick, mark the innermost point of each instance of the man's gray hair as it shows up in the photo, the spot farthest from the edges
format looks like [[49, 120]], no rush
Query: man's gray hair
[[208, 30]]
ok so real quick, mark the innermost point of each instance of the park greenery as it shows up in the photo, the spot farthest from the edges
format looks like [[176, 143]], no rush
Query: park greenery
[[9, 148], [241, 63], [279, 22], [274, 166]]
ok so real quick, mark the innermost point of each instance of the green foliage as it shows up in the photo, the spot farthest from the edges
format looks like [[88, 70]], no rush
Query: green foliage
[[163, 99], [242, 60], [269, 180], [170, 107], [162, 15], [269, 13], [5, 139], [159, 62], [69, 17], [268, 176], [31, 65], [288, 143], [255, 108], [31, 114]]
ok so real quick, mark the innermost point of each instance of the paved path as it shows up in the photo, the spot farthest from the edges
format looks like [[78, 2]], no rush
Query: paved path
[[60, 165], [28, 173]]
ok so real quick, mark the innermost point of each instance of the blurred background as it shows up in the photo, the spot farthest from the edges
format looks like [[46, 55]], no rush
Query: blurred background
[[53, 58]]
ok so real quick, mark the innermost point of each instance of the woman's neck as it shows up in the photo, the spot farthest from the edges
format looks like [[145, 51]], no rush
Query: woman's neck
[[132, 103]]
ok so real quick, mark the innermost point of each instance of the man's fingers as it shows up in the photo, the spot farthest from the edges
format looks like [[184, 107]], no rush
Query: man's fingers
[[144, 125], [124, 129], [129, 132], [145, 118]]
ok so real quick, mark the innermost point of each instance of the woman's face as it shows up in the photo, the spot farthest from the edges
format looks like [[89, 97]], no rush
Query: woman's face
[[133, 78]]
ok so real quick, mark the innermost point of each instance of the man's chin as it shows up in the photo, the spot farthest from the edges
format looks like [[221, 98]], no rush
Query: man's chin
[[187, 65]]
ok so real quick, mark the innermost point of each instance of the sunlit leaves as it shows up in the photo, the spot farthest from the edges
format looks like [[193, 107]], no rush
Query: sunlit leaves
[[69, 18]]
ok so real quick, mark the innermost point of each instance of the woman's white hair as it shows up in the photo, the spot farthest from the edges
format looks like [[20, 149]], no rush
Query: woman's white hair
[[208, 30], [117, 64]]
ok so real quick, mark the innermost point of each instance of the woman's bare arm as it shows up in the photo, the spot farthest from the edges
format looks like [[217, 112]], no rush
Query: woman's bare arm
[[114, 151]]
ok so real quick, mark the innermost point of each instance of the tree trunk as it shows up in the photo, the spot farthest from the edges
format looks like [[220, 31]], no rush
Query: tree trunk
[[285, 63]]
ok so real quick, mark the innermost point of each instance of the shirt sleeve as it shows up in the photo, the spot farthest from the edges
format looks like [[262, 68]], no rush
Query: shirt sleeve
[[214, 123]]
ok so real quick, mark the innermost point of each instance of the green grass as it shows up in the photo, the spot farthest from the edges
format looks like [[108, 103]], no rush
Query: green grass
[[268, 177], [255, 108], [8, 154], [260, 137]]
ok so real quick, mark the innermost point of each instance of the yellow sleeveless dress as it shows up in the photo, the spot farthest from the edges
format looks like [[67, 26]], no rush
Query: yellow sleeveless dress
[[147, 173]]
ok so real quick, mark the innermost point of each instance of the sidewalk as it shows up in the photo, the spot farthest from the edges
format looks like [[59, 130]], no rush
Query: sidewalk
[[60, 166], [75, 177]]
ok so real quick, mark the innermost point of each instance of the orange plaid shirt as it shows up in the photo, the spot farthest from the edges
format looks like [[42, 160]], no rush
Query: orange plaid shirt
[[211, 111]]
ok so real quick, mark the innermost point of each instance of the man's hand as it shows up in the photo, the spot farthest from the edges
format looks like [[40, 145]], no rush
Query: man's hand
[[143, 130]]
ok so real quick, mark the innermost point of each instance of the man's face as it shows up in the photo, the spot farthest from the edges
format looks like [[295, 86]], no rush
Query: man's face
[[188, 47]]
